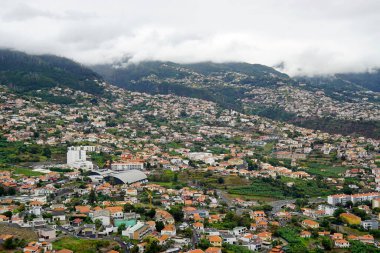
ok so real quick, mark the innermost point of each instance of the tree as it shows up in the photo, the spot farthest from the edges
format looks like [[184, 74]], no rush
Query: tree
[[302, 202], [9, 244], [135, 249], [327, 243], [204, 244], [220, 180], [92, 197], [298, 248], [177, 213], [159, 226], [98, 223], [11, 191], [46, 152], [128, 208], [121, 228], [338, 212], [2, 191], [8, 214], [349, 204], [152, 245], [151, 213]]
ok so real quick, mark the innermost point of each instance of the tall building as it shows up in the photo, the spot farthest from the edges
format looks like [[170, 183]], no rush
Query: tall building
[[77, 158]]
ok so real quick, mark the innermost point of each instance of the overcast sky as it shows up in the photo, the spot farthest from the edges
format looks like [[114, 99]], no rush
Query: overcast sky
[[309, 36]]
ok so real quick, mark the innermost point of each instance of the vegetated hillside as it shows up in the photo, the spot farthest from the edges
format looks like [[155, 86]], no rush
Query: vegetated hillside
[[343, 85], [223, 83], [346, 127], [368, 80], [23, 72], [229, 84]]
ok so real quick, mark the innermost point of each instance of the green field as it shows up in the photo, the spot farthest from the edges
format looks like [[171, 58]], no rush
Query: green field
[[79, 245], [324, 170], [278, 189], [23, 171], [259, 188]]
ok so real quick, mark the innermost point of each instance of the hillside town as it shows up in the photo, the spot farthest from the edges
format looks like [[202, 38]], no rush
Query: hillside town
[[161, 173]]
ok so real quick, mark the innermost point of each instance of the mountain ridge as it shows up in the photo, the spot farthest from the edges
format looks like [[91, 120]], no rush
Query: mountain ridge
[[25, 72]]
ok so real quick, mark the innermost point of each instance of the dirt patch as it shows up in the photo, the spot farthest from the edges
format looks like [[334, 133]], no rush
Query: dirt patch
[[24, 233]]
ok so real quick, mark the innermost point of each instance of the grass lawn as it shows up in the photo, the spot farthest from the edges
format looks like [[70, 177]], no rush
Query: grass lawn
[[80, 245], [324, 170], [310, 187], [212, 180], [24, 171], [268, 148], [351, 231], [258, 189]]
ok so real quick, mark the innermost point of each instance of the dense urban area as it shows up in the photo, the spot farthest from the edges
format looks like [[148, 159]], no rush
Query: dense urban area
[[113, 170]]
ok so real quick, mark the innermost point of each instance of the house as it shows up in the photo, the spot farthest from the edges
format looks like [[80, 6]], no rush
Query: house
[[212, 231], [337, 236], [323, 233], [341, 243], [370, 224], [164, 216], [265, 236], [163, 239], [169, 230], [115, 211], [239, 230], [328, 210], [215, 240], [213, 250], [277, 249], [46, 233], [310, 224], [228, 238], [195, 251], [58, 215], [103, 215], [305, 234], [198, 226], [256, 214], [88, 229], [3, 218], [254, 244], [368, 239], [83, 209]]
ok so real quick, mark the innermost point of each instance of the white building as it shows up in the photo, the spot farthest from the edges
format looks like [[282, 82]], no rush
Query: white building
[[130, 165], [102, 215], [360, 197], [202, 156], [329, 210], [77, 158]]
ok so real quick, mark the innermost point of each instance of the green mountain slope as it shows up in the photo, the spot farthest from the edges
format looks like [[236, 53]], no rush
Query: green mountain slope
[[23, 72], [223, 83], [368, 80]]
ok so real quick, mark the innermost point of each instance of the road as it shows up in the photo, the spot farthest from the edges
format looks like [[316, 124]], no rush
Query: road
[[222, 195], [277, 205]]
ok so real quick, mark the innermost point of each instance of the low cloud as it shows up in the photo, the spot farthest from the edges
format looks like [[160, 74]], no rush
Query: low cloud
[[309, 37]]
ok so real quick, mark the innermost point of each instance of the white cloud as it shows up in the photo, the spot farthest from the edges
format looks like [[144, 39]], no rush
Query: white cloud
[[311, 37]]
